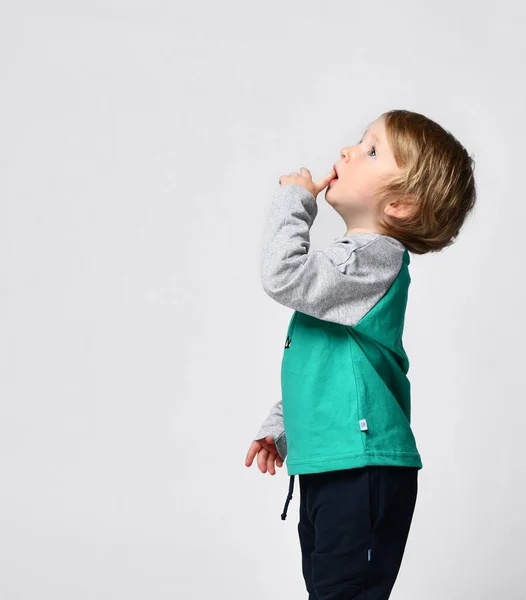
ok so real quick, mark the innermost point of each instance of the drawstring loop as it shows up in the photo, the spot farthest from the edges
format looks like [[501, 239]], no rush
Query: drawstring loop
[[289, 498]]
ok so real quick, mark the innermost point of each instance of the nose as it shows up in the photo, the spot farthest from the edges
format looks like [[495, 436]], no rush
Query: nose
[[346, 152]]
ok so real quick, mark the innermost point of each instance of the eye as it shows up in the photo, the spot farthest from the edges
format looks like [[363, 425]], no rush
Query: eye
[[372, 148]]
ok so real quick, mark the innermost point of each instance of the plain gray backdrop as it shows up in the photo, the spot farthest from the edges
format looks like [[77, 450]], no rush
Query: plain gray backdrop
[[141, 144]]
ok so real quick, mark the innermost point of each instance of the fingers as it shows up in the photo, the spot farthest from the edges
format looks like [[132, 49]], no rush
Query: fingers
[[270, 464], [267, 455], [274, 449], [305, 174], [252, 451], [262, 460], [322, 183]]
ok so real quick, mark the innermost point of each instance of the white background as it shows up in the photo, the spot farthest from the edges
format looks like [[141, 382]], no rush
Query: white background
[[141, 144]]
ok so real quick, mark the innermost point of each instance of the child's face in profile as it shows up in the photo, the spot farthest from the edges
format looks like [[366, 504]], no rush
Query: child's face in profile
[[360, 170]]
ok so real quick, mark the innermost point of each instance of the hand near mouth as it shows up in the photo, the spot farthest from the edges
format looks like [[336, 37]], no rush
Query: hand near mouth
[[304, 178]]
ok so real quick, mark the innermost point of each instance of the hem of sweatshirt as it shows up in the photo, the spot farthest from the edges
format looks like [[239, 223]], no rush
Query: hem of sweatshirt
[[354, 461]]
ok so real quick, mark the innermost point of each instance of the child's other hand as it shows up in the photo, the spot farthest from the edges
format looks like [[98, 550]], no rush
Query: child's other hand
[[305, 180], [268, 455]]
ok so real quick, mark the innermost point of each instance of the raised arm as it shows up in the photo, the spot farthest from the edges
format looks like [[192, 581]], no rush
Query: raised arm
[[340, 283]]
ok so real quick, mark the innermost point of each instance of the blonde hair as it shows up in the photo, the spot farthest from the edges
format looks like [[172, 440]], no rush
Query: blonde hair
[[436, 178]]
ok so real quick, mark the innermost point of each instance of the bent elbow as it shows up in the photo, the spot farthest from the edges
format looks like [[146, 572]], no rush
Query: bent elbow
[[270, 288]]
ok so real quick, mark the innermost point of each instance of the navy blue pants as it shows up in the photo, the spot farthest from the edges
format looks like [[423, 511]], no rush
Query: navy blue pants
[[353, 529]]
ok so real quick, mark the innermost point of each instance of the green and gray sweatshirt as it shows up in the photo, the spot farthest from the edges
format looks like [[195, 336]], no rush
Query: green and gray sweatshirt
[[345, 395]]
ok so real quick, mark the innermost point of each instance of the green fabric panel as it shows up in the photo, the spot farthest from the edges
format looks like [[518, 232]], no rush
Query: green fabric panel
[[333, 376]]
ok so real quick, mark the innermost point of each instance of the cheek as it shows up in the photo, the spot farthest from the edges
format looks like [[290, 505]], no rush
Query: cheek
[[356, 185], [363, 180]]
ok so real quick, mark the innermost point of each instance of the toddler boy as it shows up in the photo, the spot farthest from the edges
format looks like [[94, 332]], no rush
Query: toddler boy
[[343, 421]]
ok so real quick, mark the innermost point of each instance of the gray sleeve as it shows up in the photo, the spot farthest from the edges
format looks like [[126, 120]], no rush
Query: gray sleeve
[[340, 283], [273, 426]]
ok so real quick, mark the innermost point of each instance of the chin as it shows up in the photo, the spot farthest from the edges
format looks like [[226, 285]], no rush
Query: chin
[[329, 198], [334, 205]]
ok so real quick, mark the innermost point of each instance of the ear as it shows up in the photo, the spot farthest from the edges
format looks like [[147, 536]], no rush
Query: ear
[[401, 207]]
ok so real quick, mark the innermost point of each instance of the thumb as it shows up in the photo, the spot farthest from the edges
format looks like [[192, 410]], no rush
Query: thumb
[[322, 183]]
